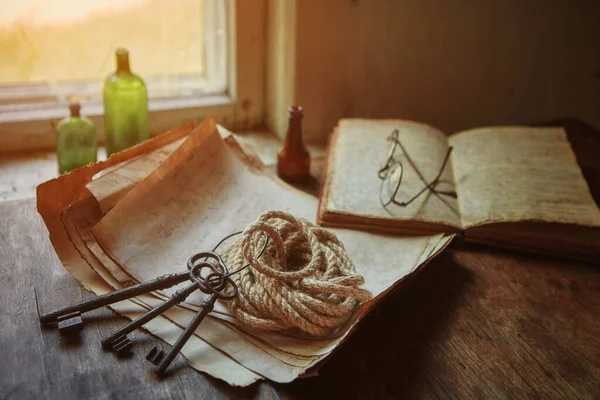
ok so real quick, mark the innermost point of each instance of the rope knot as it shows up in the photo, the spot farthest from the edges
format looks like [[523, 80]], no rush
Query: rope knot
[[303, 280]]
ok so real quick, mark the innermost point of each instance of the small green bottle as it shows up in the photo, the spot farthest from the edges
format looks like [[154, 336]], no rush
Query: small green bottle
[[125, 107], [76, 144]]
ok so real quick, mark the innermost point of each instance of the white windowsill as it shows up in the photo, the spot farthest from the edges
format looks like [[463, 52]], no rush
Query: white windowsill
[[26, 128], [23, 113]]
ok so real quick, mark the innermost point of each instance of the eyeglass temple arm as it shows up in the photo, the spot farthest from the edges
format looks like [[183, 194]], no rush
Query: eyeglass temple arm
[[410, 161], [439, 175], [431, 185], [412, 164]]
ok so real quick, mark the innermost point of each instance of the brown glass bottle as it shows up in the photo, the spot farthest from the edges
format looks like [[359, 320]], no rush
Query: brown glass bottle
[[293, 160]]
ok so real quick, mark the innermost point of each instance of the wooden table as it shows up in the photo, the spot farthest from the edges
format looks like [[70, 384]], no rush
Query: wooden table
[[475, 323]]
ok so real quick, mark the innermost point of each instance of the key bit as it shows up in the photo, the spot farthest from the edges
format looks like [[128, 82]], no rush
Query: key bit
[[70, 323], [155, 355], [122, 347], [217, 268], [176, 298], [217, 284], [125, 352], [113, 344]]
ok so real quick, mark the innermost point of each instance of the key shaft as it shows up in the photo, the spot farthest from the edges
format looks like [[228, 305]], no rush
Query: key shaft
[[206, 307], [176, 298], [159, 283]]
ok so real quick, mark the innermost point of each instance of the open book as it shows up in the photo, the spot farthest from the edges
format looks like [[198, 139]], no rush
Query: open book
[[515, 187]]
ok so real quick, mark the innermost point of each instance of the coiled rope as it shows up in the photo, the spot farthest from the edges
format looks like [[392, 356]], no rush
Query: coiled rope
[[303, 280]]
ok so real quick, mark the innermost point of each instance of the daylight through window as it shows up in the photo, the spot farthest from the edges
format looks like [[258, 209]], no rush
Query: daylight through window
[[60, 49]]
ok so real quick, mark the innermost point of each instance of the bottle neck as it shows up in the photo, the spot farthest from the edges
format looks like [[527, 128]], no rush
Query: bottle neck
[[123, 62], [74, 110], [294, 136]]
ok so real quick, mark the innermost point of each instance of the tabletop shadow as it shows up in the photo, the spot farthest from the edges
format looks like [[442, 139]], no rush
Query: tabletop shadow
[[388, 355]]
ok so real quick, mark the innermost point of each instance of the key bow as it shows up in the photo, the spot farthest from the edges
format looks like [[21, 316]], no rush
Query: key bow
[[214, 282]]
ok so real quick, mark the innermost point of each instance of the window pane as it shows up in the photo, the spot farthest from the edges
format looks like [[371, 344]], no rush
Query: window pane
[[57, 41]]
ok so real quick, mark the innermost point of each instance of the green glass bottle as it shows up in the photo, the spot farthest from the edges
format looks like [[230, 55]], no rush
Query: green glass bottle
[[125, 107], [76, 144]]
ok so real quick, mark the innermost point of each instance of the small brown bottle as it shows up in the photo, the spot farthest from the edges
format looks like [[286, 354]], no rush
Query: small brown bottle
[[293, 160]]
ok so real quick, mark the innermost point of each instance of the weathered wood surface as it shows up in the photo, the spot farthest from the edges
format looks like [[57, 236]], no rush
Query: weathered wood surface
[[38, 363], [476, 323]]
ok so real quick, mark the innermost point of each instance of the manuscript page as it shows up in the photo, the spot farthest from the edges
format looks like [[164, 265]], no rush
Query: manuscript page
[[513, 174], [359, 149]]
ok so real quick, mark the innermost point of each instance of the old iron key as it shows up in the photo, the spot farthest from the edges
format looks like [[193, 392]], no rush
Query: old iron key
[[214, 284], [118, 339], [69, 317]]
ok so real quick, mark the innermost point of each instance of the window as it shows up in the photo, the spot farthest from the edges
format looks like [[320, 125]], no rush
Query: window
[[185, 50]]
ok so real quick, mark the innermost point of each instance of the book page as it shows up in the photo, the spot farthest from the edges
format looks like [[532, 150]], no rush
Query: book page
[[359, 149], [513, 174]]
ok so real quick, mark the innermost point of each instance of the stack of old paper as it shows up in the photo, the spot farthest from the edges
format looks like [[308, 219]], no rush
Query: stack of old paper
[[146, 210]]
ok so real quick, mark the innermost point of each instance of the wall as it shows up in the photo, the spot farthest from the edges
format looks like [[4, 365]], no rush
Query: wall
[[280, 63], [454, 64]]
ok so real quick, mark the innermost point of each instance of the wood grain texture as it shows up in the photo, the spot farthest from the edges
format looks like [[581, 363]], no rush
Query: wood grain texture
[[475, 323], [479, 324], [453, 64], [39, 363]]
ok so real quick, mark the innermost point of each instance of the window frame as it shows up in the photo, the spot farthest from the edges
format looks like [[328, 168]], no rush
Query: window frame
[[240, 107]]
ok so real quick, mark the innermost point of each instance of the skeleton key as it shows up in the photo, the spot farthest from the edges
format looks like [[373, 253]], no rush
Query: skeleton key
[[179, 296], [110, 341], [74, 311], [217, 284], [214, 284]]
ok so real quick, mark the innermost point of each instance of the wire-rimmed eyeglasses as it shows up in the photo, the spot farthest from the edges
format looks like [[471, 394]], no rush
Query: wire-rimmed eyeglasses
[[392, 172]]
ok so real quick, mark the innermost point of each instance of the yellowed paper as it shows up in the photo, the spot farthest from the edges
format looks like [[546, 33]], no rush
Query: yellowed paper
[[72, 253], [80, 217], [111, 185], [361, 149], [352, 238], [210, 194], [303, 352], [213, 331], [203, 356], [165, 219], [71, 250], [517, 174]]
